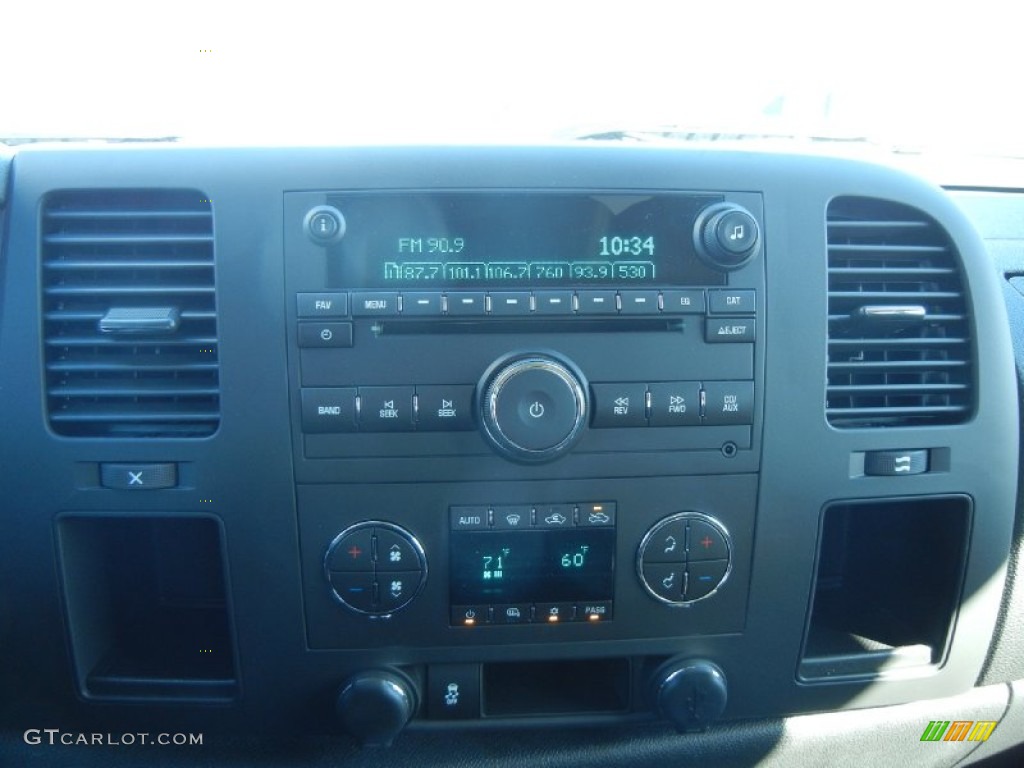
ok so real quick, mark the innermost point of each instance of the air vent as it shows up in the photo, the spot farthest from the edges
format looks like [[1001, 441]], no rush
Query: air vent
[[899, 344], [130, 314]]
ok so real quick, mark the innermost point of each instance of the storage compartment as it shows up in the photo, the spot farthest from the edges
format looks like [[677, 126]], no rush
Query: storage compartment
[[887, 587], [146, 607], [556, 687]]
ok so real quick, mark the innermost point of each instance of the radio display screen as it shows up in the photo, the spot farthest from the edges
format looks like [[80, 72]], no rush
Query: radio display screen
[[410, 241], [495, 567]]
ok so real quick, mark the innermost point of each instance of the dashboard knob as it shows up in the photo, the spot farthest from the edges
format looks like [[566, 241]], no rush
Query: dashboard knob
[[375, 706], [726, 236], [533, 407], [691, 693]]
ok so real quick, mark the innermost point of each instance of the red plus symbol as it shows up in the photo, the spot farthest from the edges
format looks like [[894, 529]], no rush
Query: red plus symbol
[[355, 552], [706, 541]]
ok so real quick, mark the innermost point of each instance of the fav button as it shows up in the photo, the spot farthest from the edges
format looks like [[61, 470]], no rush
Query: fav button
[[322, 304]]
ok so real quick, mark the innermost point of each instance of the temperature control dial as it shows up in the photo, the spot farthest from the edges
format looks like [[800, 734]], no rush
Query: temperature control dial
[[684, 558], [533, 407], [375, 568], [726, 236]]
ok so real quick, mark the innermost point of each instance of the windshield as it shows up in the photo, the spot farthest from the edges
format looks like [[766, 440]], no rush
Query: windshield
[[902, 76]]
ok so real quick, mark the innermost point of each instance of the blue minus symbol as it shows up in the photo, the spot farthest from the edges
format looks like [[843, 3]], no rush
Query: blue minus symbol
[[703, 578], [355, 589]]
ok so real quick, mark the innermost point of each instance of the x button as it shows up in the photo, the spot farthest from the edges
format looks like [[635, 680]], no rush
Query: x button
[[139, 477]]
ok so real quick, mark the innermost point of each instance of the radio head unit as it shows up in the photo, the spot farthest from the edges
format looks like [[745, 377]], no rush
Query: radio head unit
[[452, 240]]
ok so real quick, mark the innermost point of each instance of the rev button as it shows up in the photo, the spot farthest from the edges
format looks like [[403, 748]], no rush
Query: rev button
[[620, 405]]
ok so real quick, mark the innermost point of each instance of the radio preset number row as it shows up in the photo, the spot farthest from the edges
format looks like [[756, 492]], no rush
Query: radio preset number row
[[528, 302]]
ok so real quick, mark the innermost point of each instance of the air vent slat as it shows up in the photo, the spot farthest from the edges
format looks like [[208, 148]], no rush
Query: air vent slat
[[94, 316], [887, 368], [81, 265], [895, 365], [890, 251], [126, 290], [134, 365], [125, 239], [898, 413], [99, 214], [895, 389], [903, 342], [128, 250], [123, 390]]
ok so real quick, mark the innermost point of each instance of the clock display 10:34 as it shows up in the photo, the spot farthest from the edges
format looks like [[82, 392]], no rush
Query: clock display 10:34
[[623, 245]]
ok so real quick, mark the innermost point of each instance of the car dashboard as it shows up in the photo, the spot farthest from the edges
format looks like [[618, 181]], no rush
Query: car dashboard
[[592, 452]]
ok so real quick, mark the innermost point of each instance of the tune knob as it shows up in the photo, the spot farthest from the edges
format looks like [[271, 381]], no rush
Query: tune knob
[[692, 693], [375, 706], [533, 407], [726, 236]]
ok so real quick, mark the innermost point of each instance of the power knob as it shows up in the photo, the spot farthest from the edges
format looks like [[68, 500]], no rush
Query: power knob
[[727, 236], [533, 407]]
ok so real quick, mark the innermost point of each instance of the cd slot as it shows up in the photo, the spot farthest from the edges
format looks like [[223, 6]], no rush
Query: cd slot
[[526, 325]]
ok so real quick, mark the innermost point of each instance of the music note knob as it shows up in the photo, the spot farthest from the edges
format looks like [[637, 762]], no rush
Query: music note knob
[[727, 236]]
